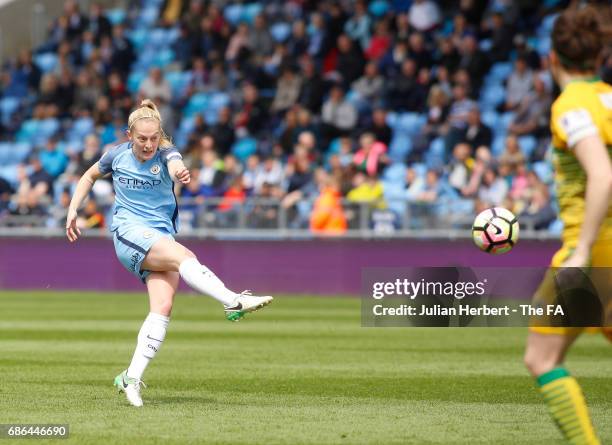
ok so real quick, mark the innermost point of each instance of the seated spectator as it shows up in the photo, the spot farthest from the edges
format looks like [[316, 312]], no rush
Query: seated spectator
[[539, 213], [312, 88], [379, 128], [223, 132], [155, 86], [327, 217], [477, 133], [379, 43], [234, 196], [458, 116], [53, 159], [370, 86], [473, 60], [436, 125], [358, 26], [415, 185], [260, 39], [512, 152], [211, 174], [520, 182], [519, 85], [431, 188], [424, 15], [253, 114], [367, 190], [404, 93], [92, 217], [492, 191], [418, 51], [239, 43], [338, 115], [460, 167], [371, 156], [482, 161], [532, 113], [287, 90], [350, 61], [501, 35]]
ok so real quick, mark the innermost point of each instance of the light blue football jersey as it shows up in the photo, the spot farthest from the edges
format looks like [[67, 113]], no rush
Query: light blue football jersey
[[144, 191]]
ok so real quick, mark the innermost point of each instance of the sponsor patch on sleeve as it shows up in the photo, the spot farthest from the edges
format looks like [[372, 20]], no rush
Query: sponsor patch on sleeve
[[577, 124]]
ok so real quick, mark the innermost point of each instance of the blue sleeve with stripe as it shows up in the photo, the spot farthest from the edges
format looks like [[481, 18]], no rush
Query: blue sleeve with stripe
[[169, 154], [106, 161]]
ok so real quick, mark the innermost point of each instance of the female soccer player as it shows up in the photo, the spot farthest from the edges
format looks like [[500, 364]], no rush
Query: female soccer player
[[581, 125], [144, 219]]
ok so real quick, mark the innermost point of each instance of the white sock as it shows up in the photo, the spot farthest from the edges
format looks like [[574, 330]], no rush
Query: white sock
[[200, 278], [151, 336]]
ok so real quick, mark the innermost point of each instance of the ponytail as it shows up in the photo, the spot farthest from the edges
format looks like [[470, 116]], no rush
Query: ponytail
[[148, 110]]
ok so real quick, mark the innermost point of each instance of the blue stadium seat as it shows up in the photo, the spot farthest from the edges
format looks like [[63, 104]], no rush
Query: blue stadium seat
[[80, 128], [498, 145], [280, 31], [500, 71], [148, 16], [116, 15], [334, 146], [178, 82], [492, 96], [8, 106], [28, 130], [250, 11], [378, 8], [198, 103], [138, 37], [46, 61], [233, 13], [420, 169], [245, 147], [395, 196], [556, 227], [399, 147], [134, 80], [544, 171], [435, 157], [527, 143], [163, 57], [395, 173], [410, 123], [490, 118]]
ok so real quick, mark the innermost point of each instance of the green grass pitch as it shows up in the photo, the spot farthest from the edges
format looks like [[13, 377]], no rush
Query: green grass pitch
[[302, 371]]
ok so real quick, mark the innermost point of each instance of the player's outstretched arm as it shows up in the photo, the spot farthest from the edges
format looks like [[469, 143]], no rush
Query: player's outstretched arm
[[593, 156], [82, 190], [178, 171]]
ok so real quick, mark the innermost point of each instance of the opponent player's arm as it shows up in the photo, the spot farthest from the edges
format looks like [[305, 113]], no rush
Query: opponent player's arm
[[82, 190], [178, 171], [594, 159]]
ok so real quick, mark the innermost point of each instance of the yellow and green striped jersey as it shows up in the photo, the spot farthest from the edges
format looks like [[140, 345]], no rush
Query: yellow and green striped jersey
[[584, 108]]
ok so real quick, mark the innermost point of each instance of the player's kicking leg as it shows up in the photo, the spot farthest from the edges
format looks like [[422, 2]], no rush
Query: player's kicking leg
[[167, 254], [161, 287]]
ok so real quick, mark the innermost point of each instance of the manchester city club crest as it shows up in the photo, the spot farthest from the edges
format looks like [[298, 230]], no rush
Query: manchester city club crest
[[155, 169]]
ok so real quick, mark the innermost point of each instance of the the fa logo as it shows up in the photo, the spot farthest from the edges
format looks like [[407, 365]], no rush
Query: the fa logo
[[155, 169]]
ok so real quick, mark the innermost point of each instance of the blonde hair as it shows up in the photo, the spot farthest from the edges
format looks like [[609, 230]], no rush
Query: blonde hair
[[148, 110]]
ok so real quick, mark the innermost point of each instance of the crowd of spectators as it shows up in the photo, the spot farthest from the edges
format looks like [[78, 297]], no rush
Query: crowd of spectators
[[420, 112]]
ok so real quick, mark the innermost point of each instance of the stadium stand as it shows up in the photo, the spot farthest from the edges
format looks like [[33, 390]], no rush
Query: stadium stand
[[426, 111]]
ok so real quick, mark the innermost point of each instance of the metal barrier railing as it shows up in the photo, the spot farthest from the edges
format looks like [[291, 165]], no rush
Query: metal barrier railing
[[269, 217]]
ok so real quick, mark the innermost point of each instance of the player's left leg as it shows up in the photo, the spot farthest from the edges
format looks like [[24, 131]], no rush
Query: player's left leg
[[544, 358], [167, 254], [162, 287]]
